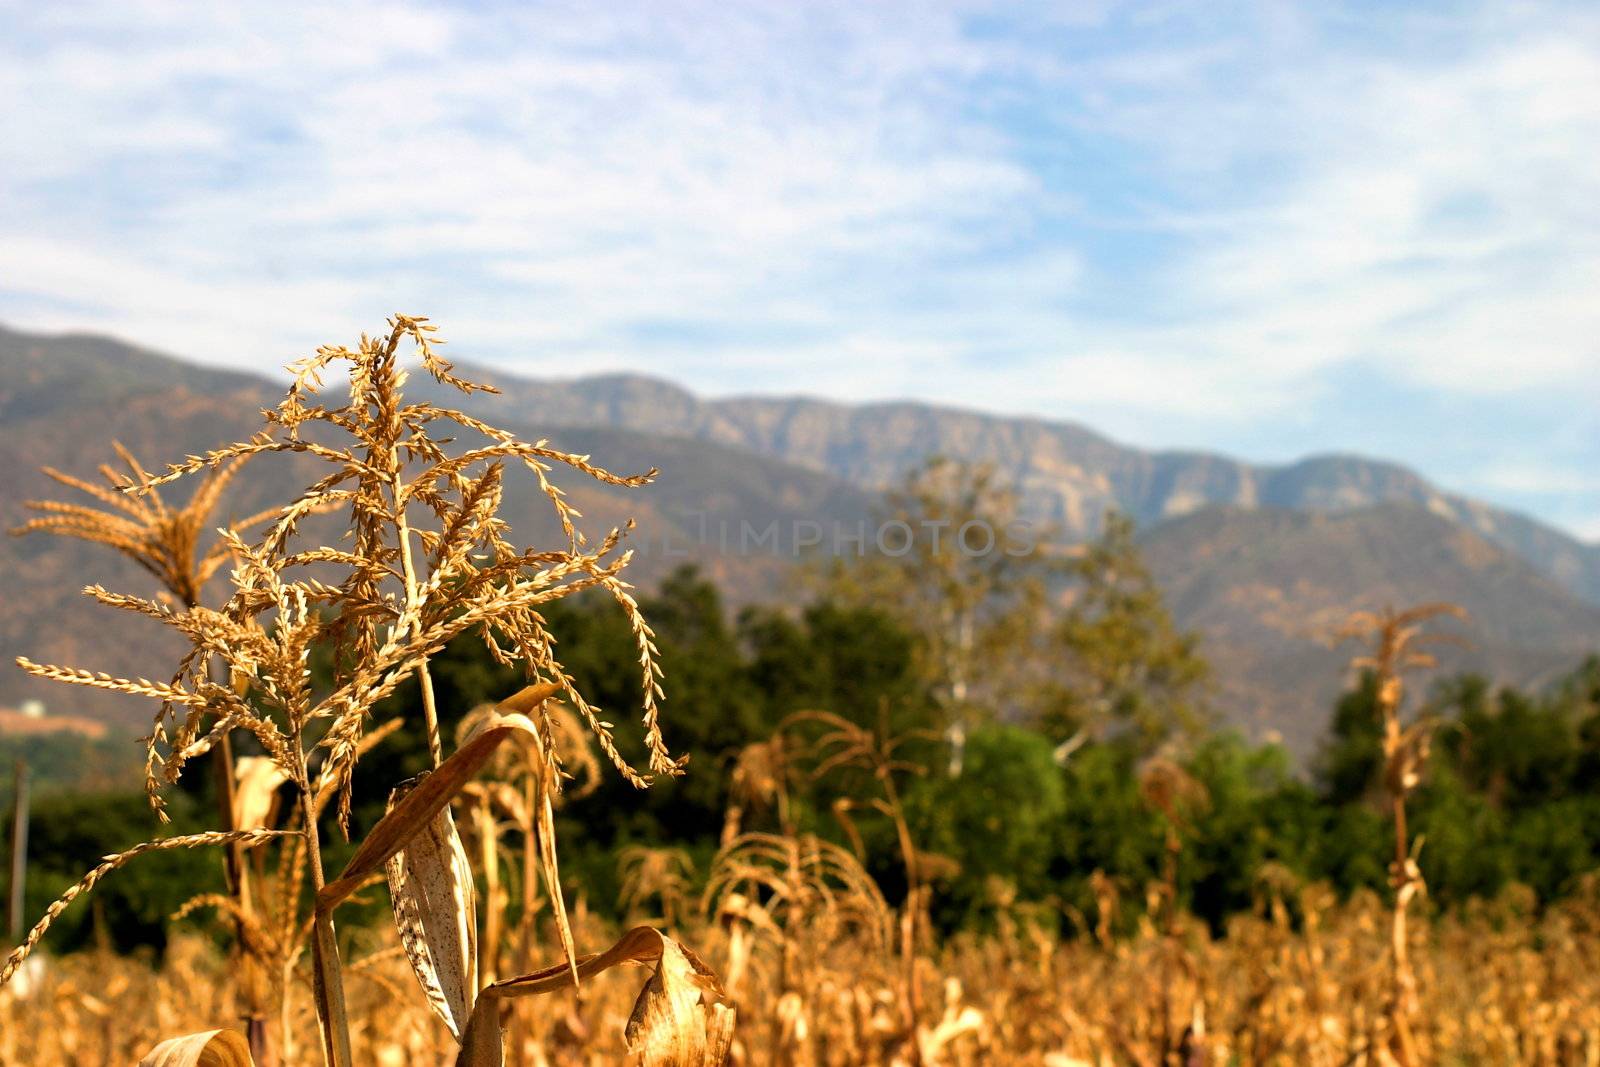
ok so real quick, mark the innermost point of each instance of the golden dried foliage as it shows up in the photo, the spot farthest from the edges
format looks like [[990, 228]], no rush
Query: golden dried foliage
[[1496, 984], [426, 560]]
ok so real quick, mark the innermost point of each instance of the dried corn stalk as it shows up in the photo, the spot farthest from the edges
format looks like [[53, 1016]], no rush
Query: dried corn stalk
[[381, 607], [1397, 637]]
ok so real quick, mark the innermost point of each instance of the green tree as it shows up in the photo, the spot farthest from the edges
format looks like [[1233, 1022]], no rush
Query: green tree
[[1259, 812], [847, 658], [1120, 661], [998, 820], [1352, 753], [958, 565]]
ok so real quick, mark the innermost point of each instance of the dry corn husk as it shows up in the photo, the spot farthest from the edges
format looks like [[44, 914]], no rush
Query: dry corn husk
[[410, 816], [435, 912], [682, 1018], [212, 1048], [431, 795]]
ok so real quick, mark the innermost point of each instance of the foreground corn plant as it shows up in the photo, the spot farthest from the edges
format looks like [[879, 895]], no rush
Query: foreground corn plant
[[427, 560]]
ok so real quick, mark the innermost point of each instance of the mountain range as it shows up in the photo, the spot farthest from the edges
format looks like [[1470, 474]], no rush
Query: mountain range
[[1068, 475], [1262, 560]]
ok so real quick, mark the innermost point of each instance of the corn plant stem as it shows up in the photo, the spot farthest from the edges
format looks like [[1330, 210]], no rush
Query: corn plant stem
[[525, 925], [430, 713], [285, 1028], [237, 872], [494, 907], [1403, 980], [233, 856], [908, 854], [1169, 891], [328, 979]]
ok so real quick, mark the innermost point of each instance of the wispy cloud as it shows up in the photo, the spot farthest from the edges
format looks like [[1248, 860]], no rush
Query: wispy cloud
[[1245, 231]]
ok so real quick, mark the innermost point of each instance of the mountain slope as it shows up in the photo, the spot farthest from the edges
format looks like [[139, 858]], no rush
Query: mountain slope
[[1069, 476], [40, 373], [1268, 588]]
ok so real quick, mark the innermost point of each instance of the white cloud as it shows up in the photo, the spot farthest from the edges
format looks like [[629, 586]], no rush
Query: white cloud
[[1587, 528], [1438, 216], [530, 174]]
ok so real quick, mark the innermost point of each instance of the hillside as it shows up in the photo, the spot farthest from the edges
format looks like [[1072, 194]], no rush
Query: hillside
[[1268, 587], [1263, 579], [41, 374]]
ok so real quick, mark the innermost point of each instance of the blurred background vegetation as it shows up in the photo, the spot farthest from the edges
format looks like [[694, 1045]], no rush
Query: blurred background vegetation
[[1031, 692]]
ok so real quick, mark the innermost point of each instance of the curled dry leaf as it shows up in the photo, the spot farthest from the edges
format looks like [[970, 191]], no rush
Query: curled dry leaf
[[435, 912], [255, 791], [682, 1018], [213, 1048]]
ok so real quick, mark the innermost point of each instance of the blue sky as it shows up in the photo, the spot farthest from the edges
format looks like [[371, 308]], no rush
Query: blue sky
[[1266, 229]]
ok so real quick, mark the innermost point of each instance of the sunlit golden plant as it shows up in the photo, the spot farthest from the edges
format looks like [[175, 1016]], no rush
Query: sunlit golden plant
[[1397, 640]]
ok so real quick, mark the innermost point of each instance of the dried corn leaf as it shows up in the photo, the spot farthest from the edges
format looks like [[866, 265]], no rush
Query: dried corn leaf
[[682, 1017], [682, 1011], [255, 791], [547, 779], [411, 816], [213, 1048], [419, 806], [435, 911]]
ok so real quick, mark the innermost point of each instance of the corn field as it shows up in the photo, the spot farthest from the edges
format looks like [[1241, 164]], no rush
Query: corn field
[[1492, 989]]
